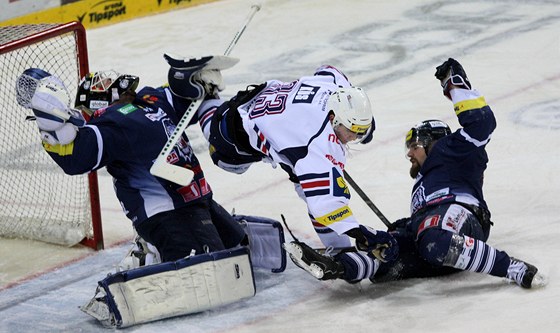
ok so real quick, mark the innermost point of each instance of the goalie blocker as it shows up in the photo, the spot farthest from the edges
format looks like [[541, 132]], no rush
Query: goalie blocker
[[194, 284]]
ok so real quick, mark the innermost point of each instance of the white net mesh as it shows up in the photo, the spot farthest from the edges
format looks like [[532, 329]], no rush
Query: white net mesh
[[37, 200], [25, 88]]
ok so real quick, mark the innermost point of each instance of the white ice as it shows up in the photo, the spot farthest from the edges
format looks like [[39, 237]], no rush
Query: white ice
[[511, 51]]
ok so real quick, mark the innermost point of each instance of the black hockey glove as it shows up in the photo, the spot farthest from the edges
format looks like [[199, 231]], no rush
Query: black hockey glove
[[399, 224], [378, 244], [452, 73]]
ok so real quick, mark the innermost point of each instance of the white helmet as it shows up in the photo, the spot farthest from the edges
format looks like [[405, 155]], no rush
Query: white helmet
[[352, 109]]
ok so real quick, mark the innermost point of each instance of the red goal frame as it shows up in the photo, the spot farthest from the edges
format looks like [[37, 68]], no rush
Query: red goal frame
[[75, 27]]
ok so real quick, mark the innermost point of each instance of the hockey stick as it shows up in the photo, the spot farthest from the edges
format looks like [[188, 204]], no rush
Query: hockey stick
[[366, 199], [175, 173], [320, 250]]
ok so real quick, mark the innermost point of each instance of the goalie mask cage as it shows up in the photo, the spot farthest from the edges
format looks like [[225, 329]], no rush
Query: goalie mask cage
[[37, 200]]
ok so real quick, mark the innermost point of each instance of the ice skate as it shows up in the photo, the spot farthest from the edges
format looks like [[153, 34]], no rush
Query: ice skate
[[522, 273], [320, 266]]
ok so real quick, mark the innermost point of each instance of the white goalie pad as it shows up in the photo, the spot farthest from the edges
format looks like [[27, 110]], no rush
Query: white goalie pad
[[266, 237], [170, 289]]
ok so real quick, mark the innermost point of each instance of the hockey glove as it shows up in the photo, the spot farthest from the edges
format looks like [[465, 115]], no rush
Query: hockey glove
[[195, 77], [49, 99], [378, 244], [399, 224], [451, 73]]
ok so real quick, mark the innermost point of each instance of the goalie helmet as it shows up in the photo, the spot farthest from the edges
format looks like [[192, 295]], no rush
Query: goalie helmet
[[426, 132], [101, 89], [352, 109]]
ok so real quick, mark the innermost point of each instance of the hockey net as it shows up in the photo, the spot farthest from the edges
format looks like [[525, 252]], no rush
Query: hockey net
[[37, 200]]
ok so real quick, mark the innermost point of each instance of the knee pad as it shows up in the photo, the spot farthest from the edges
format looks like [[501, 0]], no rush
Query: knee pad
[[438, 246]]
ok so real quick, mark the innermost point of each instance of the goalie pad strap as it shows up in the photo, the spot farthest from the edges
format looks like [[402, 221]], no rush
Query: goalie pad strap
[[189, 285]]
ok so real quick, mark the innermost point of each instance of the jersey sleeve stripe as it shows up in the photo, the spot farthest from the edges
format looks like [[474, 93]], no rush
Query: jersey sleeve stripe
[[309, 176], [313, 184], [470, 104], [99, 144], [207, 117], [474, 141], [61, 150]]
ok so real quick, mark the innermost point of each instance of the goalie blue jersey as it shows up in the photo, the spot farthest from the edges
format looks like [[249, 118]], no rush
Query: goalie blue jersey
[[454, 169], [126, 139]]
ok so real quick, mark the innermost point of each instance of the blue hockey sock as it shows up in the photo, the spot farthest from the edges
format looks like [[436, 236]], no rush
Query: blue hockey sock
[[357, 266]]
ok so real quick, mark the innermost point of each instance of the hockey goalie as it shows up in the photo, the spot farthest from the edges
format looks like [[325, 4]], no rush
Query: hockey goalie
[[191, 254]]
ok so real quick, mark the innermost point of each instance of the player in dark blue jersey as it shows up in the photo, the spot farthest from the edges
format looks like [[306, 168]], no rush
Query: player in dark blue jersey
[[206, 249], [125, 134], [450, 221]]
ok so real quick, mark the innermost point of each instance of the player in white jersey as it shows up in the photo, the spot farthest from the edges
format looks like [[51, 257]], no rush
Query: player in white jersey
[[450, 222], [304, 126]]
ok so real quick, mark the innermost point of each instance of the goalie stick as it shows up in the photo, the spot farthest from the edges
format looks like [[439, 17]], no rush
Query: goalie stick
[[366, 199], [175, 173]]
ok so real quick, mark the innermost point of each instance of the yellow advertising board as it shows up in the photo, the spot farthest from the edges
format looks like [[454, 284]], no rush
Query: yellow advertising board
[[96, 13]]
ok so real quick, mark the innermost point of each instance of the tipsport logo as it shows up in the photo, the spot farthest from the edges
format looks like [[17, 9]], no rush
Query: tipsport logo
[[104, 11], [172, 2]]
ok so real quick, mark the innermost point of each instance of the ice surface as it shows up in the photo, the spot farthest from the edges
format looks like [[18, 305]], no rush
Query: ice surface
[[510, 50]]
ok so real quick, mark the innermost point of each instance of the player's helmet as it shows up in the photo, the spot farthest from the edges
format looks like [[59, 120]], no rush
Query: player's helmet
[[352, 109], [101, 89], [426, 132]]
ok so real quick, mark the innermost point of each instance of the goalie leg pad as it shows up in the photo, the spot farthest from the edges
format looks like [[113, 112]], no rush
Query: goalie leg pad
[[266, 237], [186, 286]]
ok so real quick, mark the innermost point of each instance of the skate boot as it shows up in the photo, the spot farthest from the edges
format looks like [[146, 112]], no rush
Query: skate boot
[[521, 273], [321, 266]]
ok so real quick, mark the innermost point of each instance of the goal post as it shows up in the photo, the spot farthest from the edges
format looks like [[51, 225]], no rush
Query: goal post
[[37, 200]]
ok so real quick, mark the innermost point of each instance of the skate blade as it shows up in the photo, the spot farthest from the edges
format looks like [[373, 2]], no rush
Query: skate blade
[[539, 281], [296, 254]]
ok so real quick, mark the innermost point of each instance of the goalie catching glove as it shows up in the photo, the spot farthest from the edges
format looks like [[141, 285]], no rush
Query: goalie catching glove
[[378, 244], [451, 73], [195, 77], [49, 99]]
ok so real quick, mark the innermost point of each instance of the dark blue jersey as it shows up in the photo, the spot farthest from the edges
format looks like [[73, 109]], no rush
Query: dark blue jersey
[[126, 139], [454, 168]]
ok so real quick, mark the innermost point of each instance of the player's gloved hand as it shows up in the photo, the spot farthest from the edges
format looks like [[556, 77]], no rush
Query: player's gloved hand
[[49, 99], [451, 73], [378, 244], [399, 224], [193, 78]]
